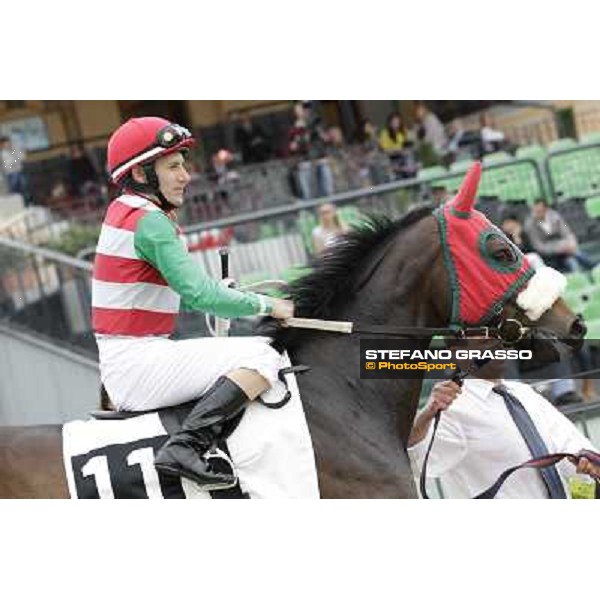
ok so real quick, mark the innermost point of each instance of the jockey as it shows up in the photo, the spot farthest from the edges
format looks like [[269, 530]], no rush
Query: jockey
[[142, 271]]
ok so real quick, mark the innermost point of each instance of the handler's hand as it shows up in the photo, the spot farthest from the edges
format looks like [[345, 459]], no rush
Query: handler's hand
[[442, 395], [587, 467], [282, 309]]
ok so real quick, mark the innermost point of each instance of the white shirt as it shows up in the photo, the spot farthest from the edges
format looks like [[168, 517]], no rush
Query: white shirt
[[11, 160], [477, 440]]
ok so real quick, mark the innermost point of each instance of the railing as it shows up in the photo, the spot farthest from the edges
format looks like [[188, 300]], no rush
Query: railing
[[46, 292]]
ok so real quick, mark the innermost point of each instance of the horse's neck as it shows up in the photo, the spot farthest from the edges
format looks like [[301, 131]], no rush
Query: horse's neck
[[360, 427]]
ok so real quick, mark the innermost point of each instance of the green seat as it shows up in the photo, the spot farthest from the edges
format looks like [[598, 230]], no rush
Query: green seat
[[561, 144], [576, 174], [592, 207], [267, 230], [496, 157], [534, 151], [574, 300], [590, 138], [511, 181], [593, 331], [591, 309], [431, 173], [577, 281], [461, 166], [451, 183]]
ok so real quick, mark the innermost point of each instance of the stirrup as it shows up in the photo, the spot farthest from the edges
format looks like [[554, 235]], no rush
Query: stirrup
[[215, 453]]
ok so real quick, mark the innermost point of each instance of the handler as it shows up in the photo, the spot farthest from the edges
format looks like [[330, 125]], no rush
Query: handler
[[490, 425], [142, 271]]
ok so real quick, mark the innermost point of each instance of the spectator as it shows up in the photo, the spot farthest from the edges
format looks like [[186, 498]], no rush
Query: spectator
[[83, 176], [329, 229], [11, 163], [553, 240], [306, 141], [366, 135], [483, 431], [251, 141], [430, 130], [563, 387], [513, 228], [457, 147], [492, 139], [393, 141], [393, 136]]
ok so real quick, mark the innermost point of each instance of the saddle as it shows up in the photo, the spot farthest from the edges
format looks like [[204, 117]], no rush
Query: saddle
[[107, 411]]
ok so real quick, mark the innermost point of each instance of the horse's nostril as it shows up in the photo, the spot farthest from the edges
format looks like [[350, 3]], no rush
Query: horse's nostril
[[578, 329]]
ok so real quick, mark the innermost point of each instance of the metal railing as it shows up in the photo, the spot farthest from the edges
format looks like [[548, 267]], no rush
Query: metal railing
[[47, 293]]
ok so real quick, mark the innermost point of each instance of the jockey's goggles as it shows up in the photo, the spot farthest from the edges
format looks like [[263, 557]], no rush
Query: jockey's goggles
[[171, 135]]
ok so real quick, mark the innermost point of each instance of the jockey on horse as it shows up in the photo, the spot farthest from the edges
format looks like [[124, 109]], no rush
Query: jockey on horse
[[142, 271]]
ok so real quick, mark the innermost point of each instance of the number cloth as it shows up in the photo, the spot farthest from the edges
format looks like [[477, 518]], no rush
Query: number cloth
[[271, 449]]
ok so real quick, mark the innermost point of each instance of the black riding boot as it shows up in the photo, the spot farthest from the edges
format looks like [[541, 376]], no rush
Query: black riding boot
[[209, 421]]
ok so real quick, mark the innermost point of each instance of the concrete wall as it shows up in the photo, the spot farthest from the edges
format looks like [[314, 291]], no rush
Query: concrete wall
[[43, 384]]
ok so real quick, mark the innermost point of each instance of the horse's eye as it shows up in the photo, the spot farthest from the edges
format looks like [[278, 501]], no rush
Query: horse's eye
[[505, 254]]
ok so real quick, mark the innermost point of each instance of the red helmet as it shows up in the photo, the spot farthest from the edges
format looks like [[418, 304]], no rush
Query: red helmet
[[142, 139]]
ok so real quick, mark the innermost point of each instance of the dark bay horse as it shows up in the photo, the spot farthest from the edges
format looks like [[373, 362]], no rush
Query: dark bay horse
[[387, 274]]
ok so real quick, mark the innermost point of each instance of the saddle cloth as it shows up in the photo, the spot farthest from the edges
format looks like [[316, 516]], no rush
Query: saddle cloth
[[271, 450]]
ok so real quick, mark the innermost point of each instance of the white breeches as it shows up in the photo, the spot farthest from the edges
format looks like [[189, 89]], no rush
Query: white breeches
[[154, 372]]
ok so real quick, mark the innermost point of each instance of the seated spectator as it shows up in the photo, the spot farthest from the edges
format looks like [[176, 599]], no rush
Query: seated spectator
[[329, 229], [366, 135], [491, 139], [83, 176], [456, 148], [431, 133], [11, 165], [393, 136], [512, 227], [393, 140], [251, 141], [553, 240]]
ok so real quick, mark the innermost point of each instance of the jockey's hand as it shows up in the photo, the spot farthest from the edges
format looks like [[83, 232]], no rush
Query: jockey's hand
[[586, 466], [443, 394], [282, 309]]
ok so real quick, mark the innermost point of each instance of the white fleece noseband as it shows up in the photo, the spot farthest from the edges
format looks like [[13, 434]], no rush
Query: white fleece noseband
[[542, 291]]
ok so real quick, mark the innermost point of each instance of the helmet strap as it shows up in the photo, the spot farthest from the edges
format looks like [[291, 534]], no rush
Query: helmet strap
[[150, 188]]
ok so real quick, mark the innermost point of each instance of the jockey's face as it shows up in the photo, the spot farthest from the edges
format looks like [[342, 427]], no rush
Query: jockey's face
[[172, 176]]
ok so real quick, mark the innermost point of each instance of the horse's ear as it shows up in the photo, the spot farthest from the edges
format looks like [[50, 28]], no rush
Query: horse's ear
[[466, 196]]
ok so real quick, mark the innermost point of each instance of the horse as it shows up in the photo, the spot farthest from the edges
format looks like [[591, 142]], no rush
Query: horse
[[387, 275]]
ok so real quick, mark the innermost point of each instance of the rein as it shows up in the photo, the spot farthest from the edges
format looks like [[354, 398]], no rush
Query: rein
[[509, 330]]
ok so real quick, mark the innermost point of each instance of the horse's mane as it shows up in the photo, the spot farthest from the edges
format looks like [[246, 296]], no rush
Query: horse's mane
[[334, 274]]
